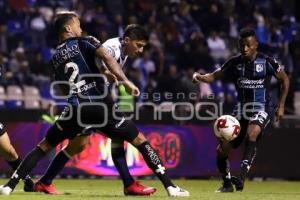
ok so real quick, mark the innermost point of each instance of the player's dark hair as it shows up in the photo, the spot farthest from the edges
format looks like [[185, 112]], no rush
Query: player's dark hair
[[247, 32], [61, 19], [136, 32]]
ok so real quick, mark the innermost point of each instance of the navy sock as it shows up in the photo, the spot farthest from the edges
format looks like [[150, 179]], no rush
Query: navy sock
[[224, 168], [248, 158], [15, 164], [119, 158], [26, 166], [154, 163], [55, 167]]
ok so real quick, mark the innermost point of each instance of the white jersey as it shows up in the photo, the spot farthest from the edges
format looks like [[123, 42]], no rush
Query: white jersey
[[114, 47]]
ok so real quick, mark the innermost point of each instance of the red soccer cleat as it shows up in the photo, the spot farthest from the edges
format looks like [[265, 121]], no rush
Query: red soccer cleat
[[137, 189], [47, 189]]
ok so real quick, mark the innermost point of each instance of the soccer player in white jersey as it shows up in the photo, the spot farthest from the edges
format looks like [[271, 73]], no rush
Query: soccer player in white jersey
[[131, 45]]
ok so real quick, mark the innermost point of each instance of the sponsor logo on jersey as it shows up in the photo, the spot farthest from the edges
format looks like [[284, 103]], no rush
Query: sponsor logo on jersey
[[250, 84]]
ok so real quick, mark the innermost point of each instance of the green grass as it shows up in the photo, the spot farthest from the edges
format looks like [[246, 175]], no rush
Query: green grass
[[200, 189]]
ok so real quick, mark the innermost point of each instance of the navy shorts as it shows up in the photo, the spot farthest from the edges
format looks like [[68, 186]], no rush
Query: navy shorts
[[260, 118], [2, 129], [75, 121]]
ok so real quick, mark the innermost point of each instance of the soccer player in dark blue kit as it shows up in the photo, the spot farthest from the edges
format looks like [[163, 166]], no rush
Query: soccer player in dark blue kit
[[91, 105], [251, 73], [131, 45]]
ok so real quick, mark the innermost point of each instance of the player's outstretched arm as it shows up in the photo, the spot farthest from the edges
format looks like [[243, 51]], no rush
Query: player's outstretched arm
[[117, 71], [207, 78], [285, 83], [111, 64]]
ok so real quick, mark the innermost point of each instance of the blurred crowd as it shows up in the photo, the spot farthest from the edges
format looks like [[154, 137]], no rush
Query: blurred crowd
[[185, 36]]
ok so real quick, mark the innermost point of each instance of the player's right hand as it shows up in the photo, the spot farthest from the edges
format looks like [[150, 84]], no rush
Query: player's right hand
[[197, 77], [111, 77], [131, 88]]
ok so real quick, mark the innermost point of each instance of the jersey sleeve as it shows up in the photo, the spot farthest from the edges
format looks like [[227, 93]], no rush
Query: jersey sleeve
[[94, 41], [87, 46], [273, 66], [113, 50], [227, 68]]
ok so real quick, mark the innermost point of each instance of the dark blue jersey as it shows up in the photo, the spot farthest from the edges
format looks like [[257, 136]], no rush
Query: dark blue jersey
[[74, 63], [252, 79]]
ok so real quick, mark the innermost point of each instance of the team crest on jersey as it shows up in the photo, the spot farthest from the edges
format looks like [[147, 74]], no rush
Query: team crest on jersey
[[259, 67], [239, 67]]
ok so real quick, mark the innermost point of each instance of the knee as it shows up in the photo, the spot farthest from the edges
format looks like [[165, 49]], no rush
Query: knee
[[76, 149], [252, 135], [221, 151], [71, 150], [140, 139], [10, 154], [117, 143]]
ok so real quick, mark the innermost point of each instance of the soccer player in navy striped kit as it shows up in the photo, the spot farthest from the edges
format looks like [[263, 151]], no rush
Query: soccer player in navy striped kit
[[130, 45], [251, 73]]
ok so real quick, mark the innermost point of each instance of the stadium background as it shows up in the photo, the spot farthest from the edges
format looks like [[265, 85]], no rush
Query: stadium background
[[185, 36]]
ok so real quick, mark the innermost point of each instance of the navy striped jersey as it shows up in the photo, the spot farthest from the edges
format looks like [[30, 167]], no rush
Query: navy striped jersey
[[74, 64], [252, 78]]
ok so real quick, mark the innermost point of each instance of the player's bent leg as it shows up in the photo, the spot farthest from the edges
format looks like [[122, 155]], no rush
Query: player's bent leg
[[74, 147], [10, 155], [131, 187], [253, 132], [223, 151], [155, 164]]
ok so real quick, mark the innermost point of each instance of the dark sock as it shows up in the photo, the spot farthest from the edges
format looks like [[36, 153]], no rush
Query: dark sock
[[154, 163], [55, 167], [119, 158], [224, 168], [14, 165], [26, 167], [249, 156]]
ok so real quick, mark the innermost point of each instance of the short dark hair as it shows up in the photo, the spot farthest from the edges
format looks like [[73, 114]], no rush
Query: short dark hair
[[61, 19], [136, 32], [247, 32]]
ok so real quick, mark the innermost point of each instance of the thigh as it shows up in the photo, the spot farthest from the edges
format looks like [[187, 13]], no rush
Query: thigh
[[77, 145], [120, 130]]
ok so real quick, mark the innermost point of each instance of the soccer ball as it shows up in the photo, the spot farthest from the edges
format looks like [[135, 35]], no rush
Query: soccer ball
[[227, 127]]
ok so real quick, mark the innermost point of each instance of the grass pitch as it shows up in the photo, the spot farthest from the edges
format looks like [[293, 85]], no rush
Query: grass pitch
[[91, 189]]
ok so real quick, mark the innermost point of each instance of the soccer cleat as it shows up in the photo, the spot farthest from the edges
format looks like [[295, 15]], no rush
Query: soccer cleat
[[226, 187], [5, 190], [137, 189], [238, 183], [223, 189], [28, 185], [47, 189], [177, 192]]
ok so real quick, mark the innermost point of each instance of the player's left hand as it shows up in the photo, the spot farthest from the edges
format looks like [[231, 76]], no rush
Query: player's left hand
[[279, 113]]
